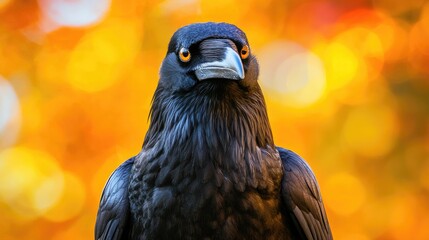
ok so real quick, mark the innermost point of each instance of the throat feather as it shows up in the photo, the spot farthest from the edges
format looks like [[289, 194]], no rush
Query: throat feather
[[209, 123]]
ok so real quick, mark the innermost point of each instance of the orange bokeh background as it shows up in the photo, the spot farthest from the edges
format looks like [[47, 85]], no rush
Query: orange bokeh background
[[346, 84]]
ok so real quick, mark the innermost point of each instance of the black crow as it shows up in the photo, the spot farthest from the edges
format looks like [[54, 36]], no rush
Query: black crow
[[209, 168]]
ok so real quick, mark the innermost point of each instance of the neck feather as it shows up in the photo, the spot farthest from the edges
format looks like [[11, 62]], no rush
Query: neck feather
[[213, 120]]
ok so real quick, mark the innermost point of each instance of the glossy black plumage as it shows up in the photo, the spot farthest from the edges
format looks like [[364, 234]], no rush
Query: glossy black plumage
[[209, 168]]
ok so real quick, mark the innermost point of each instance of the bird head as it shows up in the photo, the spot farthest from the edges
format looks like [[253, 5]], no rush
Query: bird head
[[208, 81], [208, 52]]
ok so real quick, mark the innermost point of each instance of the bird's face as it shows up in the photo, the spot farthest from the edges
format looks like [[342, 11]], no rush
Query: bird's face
[[208, 53]]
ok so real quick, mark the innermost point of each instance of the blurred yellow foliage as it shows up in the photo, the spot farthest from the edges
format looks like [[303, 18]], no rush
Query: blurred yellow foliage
[[346, 84]]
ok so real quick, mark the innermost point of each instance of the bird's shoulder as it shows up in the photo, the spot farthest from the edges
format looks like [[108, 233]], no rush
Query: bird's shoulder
[[304, 207], [113, 213]]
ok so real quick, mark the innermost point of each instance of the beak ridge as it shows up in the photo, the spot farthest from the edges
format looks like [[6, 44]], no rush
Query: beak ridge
[[230, 67]]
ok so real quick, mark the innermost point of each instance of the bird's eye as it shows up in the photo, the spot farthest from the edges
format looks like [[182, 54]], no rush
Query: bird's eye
[[184, 55], [244, 53]]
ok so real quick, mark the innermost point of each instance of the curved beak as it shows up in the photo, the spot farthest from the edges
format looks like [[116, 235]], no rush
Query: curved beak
[[230, 67]]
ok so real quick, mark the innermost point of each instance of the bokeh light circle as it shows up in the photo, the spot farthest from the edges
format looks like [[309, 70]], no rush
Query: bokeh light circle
[[344, 193], [74, 13], [32, 182], [10, 114], [341, 64], [70, 202], [367, 47], [4, 3], [370, 131], [292, 72], [102, 56]]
